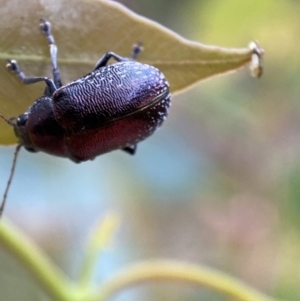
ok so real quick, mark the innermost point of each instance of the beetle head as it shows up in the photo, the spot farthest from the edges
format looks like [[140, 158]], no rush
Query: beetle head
[[22, 133]]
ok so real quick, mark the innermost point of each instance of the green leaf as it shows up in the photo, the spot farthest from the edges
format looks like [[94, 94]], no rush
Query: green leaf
[[84, 30]]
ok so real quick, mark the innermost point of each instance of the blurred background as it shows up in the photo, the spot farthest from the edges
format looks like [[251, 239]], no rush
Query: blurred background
[[218, 184]]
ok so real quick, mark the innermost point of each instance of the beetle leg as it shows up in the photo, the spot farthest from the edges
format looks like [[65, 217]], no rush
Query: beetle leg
[[130, 149], [14, 67], [45, 27], [105, 58], [136, 50]]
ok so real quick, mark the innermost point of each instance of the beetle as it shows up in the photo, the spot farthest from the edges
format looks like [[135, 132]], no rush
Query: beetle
[[113, 107]]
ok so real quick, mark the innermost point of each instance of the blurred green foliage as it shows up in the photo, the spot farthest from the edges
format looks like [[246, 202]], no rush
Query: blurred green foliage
[[218, 184]]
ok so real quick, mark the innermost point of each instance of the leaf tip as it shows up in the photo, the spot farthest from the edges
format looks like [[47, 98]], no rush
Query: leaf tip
[[256, 64]]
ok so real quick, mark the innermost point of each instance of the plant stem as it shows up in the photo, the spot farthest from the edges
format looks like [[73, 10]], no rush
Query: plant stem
[[100, 237], [57, 286], [53, 281], [176, 271]]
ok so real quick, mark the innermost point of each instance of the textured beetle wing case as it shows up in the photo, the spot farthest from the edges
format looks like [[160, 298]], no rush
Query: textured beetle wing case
[[107, 93]]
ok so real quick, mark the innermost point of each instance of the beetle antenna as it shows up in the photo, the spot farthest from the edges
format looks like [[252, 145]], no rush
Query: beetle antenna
[[8, 121], [12, 171]]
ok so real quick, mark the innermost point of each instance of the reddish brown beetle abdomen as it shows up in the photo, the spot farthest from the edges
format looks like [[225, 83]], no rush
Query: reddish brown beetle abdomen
[[126, 131]]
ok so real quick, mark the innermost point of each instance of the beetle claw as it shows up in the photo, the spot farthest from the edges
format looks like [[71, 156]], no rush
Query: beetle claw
[[136, 49], [45, 26], [12, 65]]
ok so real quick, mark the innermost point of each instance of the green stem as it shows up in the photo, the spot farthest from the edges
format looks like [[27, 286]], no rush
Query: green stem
[[99, 239], [55, 283], [45, 273], [88, 267], [176, 271]]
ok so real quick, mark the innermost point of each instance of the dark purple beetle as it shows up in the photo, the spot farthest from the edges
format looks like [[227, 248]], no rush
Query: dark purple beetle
[[113, 107]]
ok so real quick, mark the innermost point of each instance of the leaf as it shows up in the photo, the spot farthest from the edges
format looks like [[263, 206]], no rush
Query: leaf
[[84, 30]]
